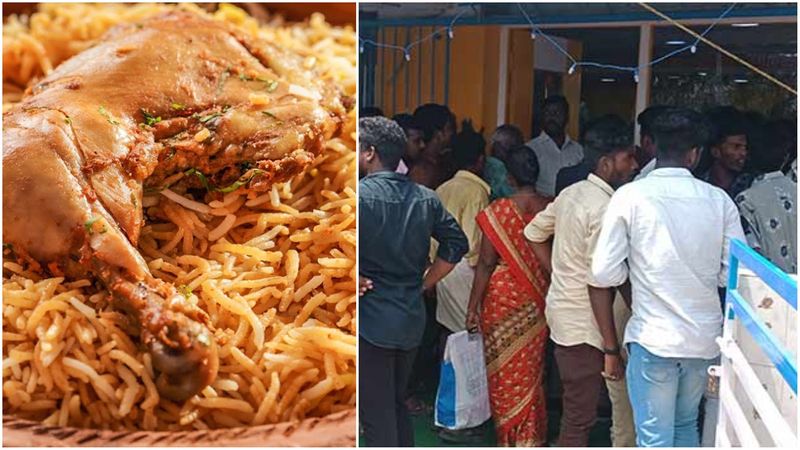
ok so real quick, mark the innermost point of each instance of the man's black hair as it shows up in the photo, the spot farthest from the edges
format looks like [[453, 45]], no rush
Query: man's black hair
[[780, 146], [385, 136], [407, 122], [370, 111], [523, 165], [507, 132], [606, 135], [468, 146], [726, 121], [676, 131], [432, 117], [645, 119], [557, 100]]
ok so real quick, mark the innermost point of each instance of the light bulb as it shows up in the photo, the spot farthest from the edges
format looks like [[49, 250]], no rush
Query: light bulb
[[361, 48], [533, 34], [571, 69], [408, 56], [635, 76], [693, 49], [450, 32]]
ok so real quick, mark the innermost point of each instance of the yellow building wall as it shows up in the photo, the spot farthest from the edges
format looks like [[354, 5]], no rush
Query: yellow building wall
[[474, 75], [474, 80]]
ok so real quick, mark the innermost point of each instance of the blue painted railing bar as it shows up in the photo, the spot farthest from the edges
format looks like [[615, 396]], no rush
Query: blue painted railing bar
[[778, 281]]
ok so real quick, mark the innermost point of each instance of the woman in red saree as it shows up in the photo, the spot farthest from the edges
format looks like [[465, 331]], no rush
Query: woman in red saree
[[507, 305]]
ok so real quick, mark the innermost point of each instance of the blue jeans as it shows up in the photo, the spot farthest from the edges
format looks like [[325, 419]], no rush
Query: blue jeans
[[665, 395]]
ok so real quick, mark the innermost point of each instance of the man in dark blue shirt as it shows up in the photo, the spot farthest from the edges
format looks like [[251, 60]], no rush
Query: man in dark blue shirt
[[397, 219]]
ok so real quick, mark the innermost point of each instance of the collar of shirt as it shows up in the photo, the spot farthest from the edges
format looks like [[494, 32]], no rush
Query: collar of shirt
[[768, 176], [599, 182], [546, 137], [671, 172], [386, 173], [467, 175]]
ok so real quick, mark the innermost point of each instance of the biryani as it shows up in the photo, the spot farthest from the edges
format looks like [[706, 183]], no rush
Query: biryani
[[272, 272]]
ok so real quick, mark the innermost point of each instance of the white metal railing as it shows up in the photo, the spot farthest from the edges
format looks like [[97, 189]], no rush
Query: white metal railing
[[733, 426]]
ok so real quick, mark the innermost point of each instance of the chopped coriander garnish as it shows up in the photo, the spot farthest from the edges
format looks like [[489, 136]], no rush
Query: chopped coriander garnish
[[177, 106], [272, 85], [171, 154], [133, 200], [201, 176], [239, 183], [209, 117], [270, 115], [233, 186], [104, 113], [150, 119], [89, 224], [67, 120]]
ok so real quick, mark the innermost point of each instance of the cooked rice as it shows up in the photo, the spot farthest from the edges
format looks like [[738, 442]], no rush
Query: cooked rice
[[275, 271]]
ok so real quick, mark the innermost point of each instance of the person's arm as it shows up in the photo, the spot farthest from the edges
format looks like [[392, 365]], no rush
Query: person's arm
[[438, 270], [625, 290], [539, 232], [750, 226], [544, 253], [470, 225], [608, 268], [453, 245], [487, 261], [602, 300], [733, 230]]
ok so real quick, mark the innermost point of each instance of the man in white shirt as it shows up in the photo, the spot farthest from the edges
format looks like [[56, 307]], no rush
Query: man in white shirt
[[583, 354], [646, 156], [675, 232], [554, 149]]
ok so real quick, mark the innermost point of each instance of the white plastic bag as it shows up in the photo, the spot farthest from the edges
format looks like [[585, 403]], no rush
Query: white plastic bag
[[462, 400]]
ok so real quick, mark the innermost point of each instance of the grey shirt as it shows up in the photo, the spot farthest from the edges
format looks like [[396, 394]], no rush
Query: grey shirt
[[769, 218]]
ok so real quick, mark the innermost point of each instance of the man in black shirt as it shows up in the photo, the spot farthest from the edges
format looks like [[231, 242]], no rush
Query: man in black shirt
[[397, 219]]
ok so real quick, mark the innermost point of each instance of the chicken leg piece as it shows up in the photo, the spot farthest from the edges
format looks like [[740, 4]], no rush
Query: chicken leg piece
[[173, 93]]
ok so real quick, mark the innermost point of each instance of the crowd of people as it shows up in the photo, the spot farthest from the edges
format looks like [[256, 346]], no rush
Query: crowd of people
[[613, 254]]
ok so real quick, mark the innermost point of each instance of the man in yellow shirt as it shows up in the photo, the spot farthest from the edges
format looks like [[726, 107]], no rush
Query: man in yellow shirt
[[464, 196], [586, 350]]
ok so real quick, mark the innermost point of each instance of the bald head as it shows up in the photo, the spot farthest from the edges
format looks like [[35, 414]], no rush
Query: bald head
[[504, 138]]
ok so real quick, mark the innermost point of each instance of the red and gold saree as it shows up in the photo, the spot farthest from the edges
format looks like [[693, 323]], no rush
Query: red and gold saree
[[514, 329]]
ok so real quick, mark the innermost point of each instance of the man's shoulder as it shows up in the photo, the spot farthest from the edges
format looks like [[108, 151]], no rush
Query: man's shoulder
[[423, 192], [766, 186], [575, 144], [369, 184], [537, 141]]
